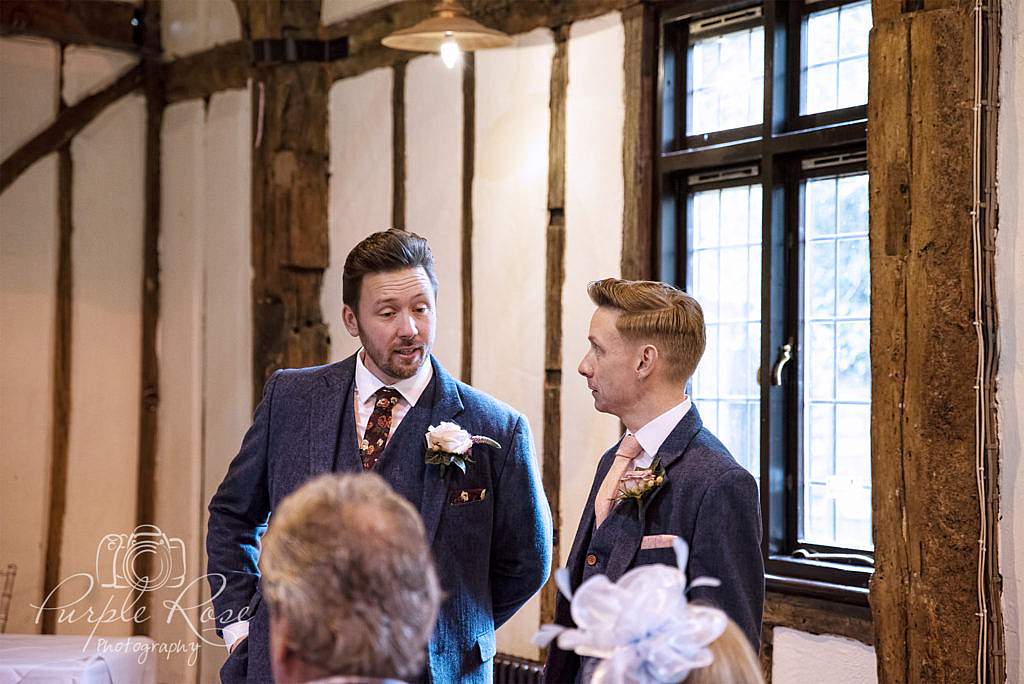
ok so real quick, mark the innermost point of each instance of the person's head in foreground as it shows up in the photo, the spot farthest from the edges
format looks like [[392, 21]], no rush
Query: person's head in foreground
[[389, 291], [349, 580], [646, 339], [643, 629]]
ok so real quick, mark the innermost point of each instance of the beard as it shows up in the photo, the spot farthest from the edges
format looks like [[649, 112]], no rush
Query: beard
[[394, 364]]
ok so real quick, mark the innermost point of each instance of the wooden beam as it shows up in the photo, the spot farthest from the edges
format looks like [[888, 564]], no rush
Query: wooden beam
[[551, 466], [640, 66], [468, 169], [61, 391], [398, 145], [818, 617], [201, 75], [97, 22], [67, 124], [925, 507]]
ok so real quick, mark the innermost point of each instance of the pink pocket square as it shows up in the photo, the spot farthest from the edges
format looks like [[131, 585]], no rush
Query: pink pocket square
[[658, 541]]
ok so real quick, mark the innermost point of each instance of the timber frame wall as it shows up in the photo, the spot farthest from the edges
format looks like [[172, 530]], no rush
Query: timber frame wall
[[923, 617]]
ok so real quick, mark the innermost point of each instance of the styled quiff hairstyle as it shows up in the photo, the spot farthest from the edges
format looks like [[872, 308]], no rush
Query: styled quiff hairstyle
[[347, 566], [383, 252], [659, 314]]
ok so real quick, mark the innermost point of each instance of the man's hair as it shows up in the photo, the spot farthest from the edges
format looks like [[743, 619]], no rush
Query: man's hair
[[347, 566], [734, 661], [388, 250], [658, 313]]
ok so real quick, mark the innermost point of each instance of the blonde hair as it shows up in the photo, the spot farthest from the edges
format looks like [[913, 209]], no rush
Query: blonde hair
[[347, 566], [658, 313], [734, 663]]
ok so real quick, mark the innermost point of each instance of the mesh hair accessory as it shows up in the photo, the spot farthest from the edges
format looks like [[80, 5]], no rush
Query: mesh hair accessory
[[642, 627]]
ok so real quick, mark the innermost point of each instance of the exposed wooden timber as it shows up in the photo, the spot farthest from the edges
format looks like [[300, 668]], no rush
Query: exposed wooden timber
[[67, 124], [98, 22]]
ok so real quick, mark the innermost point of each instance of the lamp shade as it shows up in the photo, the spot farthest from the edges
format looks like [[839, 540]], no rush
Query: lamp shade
[[449, 19]]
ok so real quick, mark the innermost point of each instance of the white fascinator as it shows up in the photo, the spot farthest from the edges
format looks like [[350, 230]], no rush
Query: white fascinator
[[642, 627]]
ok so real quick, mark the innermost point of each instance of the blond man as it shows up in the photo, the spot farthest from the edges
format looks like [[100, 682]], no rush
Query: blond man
[[668, 476], [350, 583]]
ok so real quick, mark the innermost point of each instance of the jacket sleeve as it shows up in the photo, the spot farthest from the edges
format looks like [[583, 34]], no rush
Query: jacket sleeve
[[726, 544], [239, 513], [521, 546]]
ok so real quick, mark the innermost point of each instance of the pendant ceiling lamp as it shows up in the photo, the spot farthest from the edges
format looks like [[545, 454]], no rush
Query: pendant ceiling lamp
[[449, 30]]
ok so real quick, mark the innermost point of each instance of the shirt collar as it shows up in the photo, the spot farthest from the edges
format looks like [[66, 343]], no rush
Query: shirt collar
[[654, 434], [411, 388]]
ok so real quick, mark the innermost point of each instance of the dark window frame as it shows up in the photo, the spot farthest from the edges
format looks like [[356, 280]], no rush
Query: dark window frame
[[776, 146]]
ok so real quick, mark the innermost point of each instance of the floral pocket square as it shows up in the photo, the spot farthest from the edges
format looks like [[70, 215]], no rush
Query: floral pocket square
[[461, 497], [657, 541]]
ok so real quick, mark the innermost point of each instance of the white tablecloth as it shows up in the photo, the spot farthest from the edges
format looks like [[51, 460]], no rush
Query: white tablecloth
[[54, 659]]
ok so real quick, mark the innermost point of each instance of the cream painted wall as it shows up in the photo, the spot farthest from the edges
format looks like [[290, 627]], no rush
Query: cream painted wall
[[107, 212], [189, 26], [88, 70], [30, 68], [798, 658], [1009, 289], [29, 240], [360, 185], [337, 10], [509, 225], [433, 188], [595, 113]]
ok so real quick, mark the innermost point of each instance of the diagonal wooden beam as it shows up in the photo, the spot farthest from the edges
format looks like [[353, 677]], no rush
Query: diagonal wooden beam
[[67, 124], [98, 22]]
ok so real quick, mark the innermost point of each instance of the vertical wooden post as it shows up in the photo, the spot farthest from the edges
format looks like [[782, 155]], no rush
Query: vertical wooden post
[[551, 473], [640, 68], [398, 145], [468, 169], [289, 196]]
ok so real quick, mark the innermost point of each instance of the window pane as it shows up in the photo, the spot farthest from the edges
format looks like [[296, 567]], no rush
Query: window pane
[[836, 460], [725, 82], [834, 65], [724, 274]]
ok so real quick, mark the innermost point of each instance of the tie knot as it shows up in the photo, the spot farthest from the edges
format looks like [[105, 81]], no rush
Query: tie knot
[[386, 397], [629, 447]]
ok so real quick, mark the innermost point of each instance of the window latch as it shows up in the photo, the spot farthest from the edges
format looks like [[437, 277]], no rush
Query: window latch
[[784, 357]]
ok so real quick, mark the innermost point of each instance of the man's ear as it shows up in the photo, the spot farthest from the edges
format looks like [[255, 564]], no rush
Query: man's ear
[[348, 317], [647, 359]]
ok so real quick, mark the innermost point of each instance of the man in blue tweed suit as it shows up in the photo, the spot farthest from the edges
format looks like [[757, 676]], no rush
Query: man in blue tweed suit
[[489, 526], [646, 339]]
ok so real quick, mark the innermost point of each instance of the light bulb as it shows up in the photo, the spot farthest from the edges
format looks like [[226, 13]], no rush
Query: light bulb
[[450, 52]]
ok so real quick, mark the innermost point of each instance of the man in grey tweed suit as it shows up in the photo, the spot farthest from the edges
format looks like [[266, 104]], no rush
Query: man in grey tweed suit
[[489, 527]]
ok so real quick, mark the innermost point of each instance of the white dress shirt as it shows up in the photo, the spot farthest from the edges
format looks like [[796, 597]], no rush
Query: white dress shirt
[[367, 384], [654, 434]]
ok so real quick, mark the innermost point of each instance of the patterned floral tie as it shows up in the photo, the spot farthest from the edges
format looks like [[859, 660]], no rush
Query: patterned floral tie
[[376, 436]]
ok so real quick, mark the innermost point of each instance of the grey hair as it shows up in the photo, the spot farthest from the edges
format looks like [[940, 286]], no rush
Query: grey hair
[[347, 566]]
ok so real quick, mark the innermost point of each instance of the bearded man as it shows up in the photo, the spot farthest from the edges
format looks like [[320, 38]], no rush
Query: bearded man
[[483, 509]]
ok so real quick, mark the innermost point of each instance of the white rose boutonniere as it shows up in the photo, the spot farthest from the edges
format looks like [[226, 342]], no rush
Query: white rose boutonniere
[[448, 444]]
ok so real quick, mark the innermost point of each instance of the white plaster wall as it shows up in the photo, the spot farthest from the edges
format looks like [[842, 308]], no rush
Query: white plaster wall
[[337, 10], [29, 89], [189, 26], [29, 241], [88, 70], [509, 225], [1009, 286], [433, 188], [227, 293], [595, 113], [180, 345], [360, 185], [799, 657], [106, 255]]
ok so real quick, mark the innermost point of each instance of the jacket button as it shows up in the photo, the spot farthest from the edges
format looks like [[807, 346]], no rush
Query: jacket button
[[591, 559]]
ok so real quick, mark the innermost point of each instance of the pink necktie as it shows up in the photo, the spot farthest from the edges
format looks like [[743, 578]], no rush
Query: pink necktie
[[628, 449]]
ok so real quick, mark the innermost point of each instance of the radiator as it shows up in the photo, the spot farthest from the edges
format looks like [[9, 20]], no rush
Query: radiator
[[512, 670]]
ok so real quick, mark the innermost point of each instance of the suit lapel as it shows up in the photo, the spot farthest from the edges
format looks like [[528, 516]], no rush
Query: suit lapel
[[627, 529], [586, 528], [447, 405], [325, 414]]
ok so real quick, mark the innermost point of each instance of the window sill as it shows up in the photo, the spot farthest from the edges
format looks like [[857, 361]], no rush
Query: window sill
[[817, 616]]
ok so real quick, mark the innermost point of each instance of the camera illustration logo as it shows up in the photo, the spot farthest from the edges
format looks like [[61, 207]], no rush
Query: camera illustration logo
[[144, 560]]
